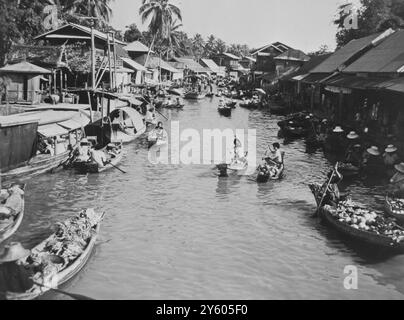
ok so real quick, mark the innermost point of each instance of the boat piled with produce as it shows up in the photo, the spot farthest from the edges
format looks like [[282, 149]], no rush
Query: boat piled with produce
[[60, 257], [395, 208], [362, 224]]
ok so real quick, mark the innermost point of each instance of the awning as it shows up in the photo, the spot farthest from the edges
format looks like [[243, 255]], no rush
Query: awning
[[396, 85], [300, 77], [315, 77], [71, 125], [52, 130], [354, 82], [134, 65]]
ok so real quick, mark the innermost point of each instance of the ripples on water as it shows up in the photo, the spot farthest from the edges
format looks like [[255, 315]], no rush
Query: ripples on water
[[180, 232]]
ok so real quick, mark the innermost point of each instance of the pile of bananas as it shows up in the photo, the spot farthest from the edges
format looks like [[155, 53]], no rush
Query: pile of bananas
[[365, 220]]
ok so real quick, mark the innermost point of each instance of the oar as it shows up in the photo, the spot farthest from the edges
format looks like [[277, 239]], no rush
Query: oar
[[117, 167], [72, 295], [162, 115], [325, 192]]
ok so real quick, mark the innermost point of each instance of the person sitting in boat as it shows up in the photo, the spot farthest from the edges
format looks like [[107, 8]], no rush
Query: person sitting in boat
[[354, 155], [330, 188], [336, 142], [150, 116], [99, 157], [222, 103], [83, 151], [274, 158], [112, 150], [390, 157], [372, 158], [160, 132], [14, 277], [398, 181], [238, 152]]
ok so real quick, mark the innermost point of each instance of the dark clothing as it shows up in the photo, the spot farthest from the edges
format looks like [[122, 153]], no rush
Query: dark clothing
[[14, 278]]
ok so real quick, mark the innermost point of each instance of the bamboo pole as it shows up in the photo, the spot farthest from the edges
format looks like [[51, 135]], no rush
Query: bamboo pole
[[93, 81], [115, 68], [109, 61]]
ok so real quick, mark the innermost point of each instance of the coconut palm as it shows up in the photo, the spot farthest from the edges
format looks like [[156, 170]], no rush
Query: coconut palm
[[172, 45], [100, 9], [198, 46], [161, 13]]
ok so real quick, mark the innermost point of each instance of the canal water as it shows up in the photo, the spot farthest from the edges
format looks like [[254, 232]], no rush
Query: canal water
[[180, 232]]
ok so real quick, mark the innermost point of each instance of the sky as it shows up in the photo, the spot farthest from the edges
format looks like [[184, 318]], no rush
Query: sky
[[301, 24]]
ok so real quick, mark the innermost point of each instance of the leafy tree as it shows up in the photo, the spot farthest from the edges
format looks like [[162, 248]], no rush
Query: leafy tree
[[322, 50], [198, 46], [220, 46], [373, 16], [132, 33]]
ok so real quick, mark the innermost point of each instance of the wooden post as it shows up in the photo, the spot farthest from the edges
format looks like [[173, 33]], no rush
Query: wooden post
[[54, 82], [102, 105], [115, 76], [93, 84], [109, 62], [91, 108], [61, 84]]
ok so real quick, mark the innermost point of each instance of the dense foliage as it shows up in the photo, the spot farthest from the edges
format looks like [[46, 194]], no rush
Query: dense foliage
[[373, 16]]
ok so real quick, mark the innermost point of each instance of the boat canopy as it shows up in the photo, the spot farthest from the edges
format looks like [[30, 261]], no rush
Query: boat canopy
[[130, 117]]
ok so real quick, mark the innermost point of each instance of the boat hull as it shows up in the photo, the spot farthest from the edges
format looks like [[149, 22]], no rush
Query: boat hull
[[8, 231]]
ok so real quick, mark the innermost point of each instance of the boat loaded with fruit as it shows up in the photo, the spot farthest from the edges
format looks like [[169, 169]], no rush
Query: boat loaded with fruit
[[370, 227]]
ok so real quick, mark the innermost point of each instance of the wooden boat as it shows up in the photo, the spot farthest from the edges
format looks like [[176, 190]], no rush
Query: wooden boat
[[6, 231], [294, 131], [238, 165], [40, 164], [93, 167], [175, 106], [129, 127], [62, 269], [231, 103], [154, 140], [392, 210], [194, 96], [366, 237], [224, 111], [348, 169], [175, 91]]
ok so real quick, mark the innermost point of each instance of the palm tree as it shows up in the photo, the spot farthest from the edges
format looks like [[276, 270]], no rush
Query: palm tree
[[210, 46], [161, 13], [100, 9], [198, 46], [172, 45]]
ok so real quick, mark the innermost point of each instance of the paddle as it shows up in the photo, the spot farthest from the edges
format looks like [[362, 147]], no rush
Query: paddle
[[72, 295], [116, 167], [325, 192], [162, 115]]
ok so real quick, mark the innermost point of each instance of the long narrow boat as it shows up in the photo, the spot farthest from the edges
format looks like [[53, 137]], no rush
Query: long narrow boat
[[392, 242], [8, 230], [62, 265], [194, 96], [93, 167], [38, 165], [395, 208], [224, 111]]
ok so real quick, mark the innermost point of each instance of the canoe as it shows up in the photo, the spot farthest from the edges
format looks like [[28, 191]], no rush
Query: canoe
[[225, 111], [153, 140], [38, 165], [8, 230], [392, 210], [63, 269], [294, 132], [264, 176], [194, 96], [126, 136], [93, 167], [348, 169], [369, 238]]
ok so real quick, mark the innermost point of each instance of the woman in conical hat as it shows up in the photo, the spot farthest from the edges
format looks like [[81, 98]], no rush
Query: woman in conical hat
[[13, 276], [372, 160], [398, 180], [390, 156]]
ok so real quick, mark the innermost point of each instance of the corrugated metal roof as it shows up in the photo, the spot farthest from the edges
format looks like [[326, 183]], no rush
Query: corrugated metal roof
[[134, 65], [316, 77], [354, 82], [136, 46], [24, 67], [211, 64], [387, 57], [156, 62], [293, 54], [344, 54], [97, 34], [231, 56], [192, 65]]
